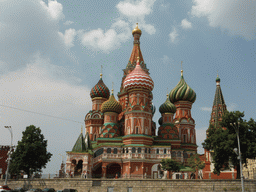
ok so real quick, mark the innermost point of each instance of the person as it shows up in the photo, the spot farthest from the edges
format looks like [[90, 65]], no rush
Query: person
[[85, 175], [116, 176]]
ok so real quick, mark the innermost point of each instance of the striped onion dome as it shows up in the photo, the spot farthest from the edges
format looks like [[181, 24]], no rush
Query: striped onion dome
[[138, 78], [111, 105], [153, 109], [100, 90], [182, 92], [167, 107]]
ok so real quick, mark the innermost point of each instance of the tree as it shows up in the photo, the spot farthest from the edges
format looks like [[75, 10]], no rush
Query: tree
[[170, 165], [223, 139], [30, 154], [195, 163]]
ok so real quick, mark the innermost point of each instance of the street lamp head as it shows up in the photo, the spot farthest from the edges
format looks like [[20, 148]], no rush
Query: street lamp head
[[7, 127], [235, 150]]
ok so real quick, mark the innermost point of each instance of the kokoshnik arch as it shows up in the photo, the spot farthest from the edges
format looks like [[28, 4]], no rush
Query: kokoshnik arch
[[121, 135]]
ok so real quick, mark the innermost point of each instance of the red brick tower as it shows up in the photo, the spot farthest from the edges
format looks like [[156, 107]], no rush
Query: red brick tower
[[218, 109], [183, 97]]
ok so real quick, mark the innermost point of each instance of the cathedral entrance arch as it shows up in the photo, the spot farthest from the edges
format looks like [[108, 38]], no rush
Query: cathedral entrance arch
[[155, 171], [78, 168], [97, 171], [113, 169]]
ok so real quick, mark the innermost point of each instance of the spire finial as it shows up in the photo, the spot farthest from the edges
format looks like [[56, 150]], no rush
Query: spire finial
[[167, 93], [112, 90], [101, 71], [217, 74], [181, 69]]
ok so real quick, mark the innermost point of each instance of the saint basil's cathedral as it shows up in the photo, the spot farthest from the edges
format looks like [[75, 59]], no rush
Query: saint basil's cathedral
[[121, 136]]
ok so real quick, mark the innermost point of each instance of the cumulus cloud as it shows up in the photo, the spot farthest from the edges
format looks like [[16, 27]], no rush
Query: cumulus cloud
[[186, 24], [54, 9], [173, 35], [106, 41], [206, 109], [34, 28], [68, 22], [166, 59], [68, 37], [136, 12], [236, 16], [120, 31]]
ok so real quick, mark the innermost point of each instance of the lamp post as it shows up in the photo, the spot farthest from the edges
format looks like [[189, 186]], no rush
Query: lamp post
[[239, 153], [9, 154]]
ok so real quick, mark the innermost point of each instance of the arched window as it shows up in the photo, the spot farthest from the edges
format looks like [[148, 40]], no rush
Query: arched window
[[149, 150], [184, 138], [179, 154], [173, 154], [133, 150], [137, 130], [146, 150], [157, 151], [115, 150], [127, 151], [108, 150], [139, 150], [123, 150], [164, 151], [185, 155]]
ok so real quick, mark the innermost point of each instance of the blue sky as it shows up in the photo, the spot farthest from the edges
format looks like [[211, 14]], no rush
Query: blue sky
[[51, 53]]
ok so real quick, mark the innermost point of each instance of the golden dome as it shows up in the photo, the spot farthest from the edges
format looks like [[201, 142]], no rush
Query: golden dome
[[136, 30]]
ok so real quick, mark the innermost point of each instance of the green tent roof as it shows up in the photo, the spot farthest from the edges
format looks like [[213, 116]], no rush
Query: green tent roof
[[79, 145]]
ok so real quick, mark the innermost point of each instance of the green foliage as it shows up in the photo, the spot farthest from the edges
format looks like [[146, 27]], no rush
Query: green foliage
[[30, 154], [223, 139], [170, 165], [195, 162]]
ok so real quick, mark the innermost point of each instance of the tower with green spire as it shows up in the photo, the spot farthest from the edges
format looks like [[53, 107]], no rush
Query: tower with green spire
[[219, 106]]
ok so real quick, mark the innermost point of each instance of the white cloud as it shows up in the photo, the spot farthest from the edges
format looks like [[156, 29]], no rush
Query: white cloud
[[68, 37], [173, 35], [120, 31], [68, 22], [235, 16], [106, 41], [231, 107], [54, 9], [31, 29], [186, 24], [206, 109], [136, 12]]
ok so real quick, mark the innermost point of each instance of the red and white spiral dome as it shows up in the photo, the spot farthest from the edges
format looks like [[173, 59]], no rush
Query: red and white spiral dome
[[138, 78]]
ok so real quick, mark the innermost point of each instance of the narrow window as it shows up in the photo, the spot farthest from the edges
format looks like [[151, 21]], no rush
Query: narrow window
[[137, 130], [164, 151], [115, 150], [139, 150], [157, 151], [133, 150], [108, 150], [146, 150]]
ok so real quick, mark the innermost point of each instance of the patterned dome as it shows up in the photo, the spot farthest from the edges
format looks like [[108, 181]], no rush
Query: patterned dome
[[138, 79], [100, 90], [111, 105], [153, 109], [167, 107], [182, 92]]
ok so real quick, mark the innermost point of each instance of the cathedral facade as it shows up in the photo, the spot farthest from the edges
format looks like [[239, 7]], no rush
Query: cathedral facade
[[121, 138]]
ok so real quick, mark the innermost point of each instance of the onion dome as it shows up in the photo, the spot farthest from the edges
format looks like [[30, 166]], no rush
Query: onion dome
[[138, 78], [153, 109], [217, 79], [111, 105], [100, 90], [182, 92], [160, 120], [136, 30], [167, 107]]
